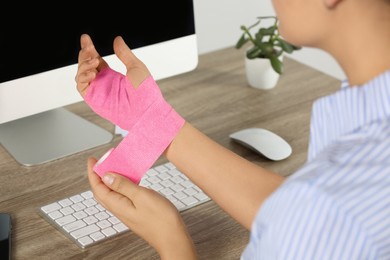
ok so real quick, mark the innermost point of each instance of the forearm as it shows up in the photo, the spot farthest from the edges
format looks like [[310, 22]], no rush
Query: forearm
[[180, 246], [236, 184]]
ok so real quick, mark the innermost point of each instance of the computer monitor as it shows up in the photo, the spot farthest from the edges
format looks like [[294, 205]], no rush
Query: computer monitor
[[39, 48]]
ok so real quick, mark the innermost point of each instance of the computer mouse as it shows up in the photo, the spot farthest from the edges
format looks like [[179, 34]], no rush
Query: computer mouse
[[263, 142]]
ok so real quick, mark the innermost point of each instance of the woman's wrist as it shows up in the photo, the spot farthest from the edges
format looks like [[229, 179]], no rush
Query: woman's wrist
[[181, 247]]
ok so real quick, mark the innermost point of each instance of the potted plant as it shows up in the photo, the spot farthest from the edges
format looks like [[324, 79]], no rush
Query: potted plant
[[264, 57]]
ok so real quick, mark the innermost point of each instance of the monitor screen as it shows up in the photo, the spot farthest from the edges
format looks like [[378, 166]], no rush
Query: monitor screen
[[39, 47], [45, 39]]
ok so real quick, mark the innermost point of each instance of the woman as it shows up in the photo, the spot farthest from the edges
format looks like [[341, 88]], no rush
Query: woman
[[338, 203]]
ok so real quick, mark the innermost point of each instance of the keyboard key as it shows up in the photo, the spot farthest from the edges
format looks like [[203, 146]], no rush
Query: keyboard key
[[82, 232], [55, 214], [74, 225], [51, 207]]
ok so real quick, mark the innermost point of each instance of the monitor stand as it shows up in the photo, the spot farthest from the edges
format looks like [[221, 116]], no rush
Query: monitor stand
[[50, 135]]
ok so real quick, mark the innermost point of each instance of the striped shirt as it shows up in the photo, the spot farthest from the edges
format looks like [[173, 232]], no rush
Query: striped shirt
[[337, 206]]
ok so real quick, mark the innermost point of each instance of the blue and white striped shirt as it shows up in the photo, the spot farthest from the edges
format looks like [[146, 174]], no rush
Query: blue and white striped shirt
[[337, 206]]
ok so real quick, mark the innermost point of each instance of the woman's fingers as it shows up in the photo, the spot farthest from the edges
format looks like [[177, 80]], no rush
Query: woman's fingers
[[89, 64]]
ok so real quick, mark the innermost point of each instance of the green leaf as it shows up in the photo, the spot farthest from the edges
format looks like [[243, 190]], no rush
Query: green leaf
[[253, 25], [254, 52], [277, 65], [287, 47], [296, 47], [258, 37], [266, 48], [268, 31], [241, 41]]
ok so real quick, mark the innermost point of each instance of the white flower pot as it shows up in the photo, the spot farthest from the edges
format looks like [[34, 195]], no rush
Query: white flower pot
[[260, 73]]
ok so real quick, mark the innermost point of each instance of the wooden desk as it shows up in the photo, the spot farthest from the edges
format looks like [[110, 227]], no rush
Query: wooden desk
[[216, 99]]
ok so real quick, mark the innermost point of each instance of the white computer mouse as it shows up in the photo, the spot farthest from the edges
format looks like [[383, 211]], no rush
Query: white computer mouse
[[263, 142]]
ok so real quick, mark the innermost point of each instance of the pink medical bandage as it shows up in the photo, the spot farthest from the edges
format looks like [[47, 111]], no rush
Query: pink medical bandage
[[150, 121], [112, 96]]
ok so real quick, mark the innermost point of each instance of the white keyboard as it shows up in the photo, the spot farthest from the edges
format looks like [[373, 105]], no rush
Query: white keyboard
[[83, 220]]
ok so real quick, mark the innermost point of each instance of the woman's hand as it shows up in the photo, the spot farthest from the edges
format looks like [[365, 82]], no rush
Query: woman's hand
[[144, 211], [120, 98], [90, 63]]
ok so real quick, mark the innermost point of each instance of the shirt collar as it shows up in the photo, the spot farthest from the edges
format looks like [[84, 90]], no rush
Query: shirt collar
[[347, 110]]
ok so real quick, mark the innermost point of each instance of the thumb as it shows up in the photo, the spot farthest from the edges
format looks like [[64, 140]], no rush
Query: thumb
[[136, 69], [85, 41], [124, 53], [121, 184]]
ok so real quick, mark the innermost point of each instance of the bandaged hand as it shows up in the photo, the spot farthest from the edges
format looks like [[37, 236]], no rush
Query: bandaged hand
[[112, 96], [134, 102]]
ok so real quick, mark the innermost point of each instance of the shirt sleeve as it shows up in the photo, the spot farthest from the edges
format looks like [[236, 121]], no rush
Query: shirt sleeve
[[300, 221]]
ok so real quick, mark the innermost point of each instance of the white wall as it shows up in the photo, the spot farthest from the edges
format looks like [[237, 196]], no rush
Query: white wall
[[218, 24]]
